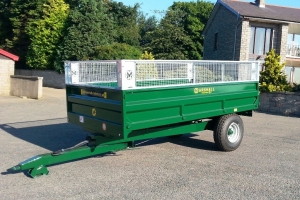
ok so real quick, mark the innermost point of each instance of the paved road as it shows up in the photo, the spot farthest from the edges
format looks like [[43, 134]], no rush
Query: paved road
[[266, 165]]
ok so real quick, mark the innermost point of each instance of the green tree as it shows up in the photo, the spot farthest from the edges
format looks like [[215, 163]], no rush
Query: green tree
[[196, 16], [125, 19], [169, 39], [272, 78], [19, 13], [117, 51], [178, 35], [90, 26], [146, 25], [46, 33], [5, 24]]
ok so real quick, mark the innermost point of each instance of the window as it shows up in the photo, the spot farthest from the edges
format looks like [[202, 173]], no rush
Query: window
[[293, 47], [216, 42], [260, 42], [293, 74], [288, 73], [293, 39]]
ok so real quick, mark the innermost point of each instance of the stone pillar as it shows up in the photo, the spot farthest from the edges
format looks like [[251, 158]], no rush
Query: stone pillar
[[282, 41], [245, 41]]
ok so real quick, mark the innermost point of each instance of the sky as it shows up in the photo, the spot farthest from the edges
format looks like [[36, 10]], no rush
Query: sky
[[149, 6]]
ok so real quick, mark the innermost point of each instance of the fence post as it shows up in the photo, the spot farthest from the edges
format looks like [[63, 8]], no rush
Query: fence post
[[222, 70], [191, 72], [74, 72], [126, 74]]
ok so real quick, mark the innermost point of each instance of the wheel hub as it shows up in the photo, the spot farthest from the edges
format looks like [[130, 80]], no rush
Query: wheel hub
[[233, 133]]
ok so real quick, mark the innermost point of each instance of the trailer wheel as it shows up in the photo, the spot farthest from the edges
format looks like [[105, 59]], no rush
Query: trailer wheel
[[228, 132]]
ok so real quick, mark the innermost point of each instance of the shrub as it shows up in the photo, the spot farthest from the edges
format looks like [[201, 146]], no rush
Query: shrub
[[272, 79]]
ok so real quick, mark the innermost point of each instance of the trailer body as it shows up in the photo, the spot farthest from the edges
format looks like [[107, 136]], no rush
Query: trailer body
[[120, 111], [119, 102], [125, 114]]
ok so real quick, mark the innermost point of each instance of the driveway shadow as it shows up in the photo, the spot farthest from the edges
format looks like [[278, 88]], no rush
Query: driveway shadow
[[278, 114], [186, 140], [55, 134], [52, 134]]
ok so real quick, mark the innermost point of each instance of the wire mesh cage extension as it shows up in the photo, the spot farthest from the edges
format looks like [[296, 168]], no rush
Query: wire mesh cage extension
[[134, 74]]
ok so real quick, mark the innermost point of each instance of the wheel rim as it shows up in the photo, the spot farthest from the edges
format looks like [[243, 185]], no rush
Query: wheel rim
[[234, 133]]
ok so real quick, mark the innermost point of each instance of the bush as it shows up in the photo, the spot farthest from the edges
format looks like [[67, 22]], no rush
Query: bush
[[147, 56], [146, 71], [296, 87], [272, 79]]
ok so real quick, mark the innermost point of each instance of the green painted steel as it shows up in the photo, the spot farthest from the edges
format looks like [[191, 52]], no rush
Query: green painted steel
[[37, 164], [115, 118], [162, 131], [120, 113], [143, 83], [103, 84], [154, 107]]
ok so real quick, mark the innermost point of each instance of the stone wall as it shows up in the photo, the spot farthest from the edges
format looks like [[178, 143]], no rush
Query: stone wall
[[7, 67], [50, 77], [282, 103]]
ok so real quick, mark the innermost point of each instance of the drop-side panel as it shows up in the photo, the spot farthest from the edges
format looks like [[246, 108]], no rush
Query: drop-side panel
[[148, 108]]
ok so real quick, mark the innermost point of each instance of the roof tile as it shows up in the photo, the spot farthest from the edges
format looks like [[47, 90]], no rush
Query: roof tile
[[249, 9], [9, 55]]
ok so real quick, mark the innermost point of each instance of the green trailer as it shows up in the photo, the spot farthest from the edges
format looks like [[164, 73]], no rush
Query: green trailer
[[123, 101]]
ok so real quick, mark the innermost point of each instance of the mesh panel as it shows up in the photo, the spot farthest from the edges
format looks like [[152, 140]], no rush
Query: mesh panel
[[157, 73], [222, 72], [96, 73], [164, 73]]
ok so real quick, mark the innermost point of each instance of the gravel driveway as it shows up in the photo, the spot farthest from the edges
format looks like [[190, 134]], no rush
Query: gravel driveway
[[265, 166]]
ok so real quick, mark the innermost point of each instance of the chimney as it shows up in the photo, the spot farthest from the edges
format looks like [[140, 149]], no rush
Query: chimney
[[260, 3]]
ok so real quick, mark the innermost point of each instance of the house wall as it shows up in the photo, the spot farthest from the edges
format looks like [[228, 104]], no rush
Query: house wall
[[7, 67], [234, 36], [224, 23]]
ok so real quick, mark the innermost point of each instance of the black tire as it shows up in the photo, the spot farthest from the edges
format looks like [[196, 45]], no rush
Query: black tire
[[175, 136], [229, 132]]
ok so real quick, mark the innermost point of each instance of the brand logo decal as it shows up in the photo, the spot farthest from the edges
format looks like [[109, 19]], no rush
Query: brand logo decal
[[129, 75], [93, 93], [207, 90], [94, 112]]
